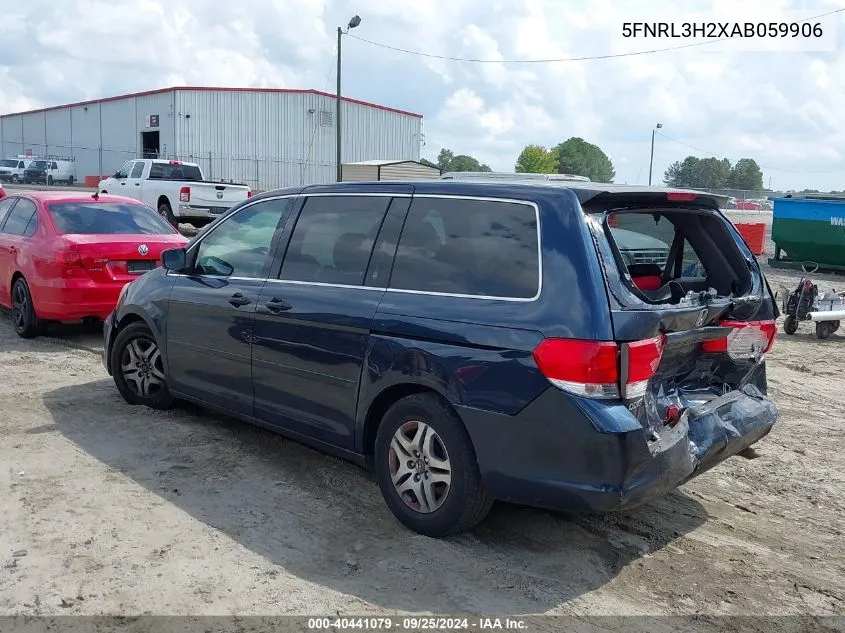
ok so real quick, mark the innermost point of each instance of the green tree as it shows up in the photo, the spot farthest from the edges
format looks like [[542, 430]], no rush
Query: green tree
[[712, 173], [681, 173], [448, 161], [699, 173], [746, 174], [577, 156], [536, 159]]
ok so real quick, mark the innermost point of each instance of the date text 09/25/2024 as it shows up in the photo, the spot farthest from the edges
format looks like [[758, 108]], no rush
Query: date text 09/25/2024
[[417, 623]]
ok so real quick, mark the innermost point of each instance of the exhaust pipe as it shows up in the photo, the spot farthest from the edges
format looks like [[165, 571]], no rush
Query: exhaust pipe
[[830, 315]]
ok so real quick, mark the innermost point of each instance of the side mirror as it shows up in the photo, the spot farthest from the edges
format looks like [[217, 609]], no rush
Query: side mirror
[[175, 259]]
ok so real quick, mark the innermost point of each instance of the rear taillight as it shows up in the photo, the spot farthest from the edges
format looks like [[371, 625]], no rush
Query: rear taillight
[[592, 368], [249, 194], [70, 264], [69, 258], [747, 340], [640, 361], [185, 194], [586, 368]]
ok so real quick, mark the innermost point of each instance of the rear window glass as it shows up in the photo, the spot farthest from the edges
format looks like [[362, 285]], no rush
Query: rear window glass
[[167, 171], [469, 247], [107, 218]]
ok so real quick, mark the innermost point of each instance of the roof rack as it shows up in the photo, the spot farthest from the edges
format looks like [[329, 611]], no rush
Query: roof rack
[[514, 177]]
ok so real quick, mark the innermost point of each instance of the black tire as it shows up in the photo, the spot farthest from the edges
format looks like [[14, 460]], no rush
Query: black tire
[[166, 212], [790, 325], [49, 181], [24, 320], [14, 179], [122, 355], [467, 502], [824, 329]]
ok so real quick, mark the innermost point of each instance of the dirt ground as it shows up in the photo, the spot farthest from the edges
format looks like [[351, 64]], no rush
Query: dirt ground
[[110, 509]]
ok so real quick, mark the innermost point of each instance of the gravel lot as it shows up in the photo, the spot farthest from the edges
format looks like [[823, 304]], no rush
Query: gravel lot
[[110, 509]]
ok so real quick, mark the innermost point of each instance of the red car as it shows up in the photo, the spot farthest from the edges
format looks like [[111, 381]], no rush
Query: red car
[[66, 256], [2, 192]]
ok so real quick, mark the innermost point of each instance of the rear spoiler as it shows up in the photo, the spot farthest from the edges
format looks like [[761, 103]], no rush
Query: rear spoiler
[[647, 197]]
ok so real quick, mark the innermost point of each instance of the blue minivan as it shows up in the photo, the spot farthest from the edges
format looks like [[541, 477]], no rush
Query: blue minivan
[[567, 345]]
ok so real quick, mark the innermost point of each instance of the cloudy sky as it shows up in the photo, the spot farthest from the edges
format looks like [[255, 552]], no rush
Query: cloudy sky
[[784, 108]]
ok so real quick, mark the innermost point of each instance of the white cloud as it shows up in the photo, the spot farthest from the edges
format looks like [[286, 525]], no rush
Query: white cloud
[[786, 109]]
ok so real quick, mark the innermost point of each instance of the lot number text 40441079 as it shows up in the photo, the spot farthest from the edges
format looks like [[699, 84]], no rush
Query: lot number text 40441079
[[416, 623]]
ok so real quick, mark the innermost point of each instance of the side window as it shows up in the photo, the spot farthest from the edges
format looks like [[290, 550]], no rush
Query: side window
[[240, 245], [138, 169], [692, 266], [20, 165], [333, 239], [20, 219], [53, 165], [123, 172], [468, 247], [5, 205]]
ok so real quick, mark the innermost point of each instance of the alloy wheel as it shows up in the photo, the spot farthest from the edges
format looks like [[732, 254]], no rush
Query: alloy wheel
[[419, 467], [142, 367], [20, 306]]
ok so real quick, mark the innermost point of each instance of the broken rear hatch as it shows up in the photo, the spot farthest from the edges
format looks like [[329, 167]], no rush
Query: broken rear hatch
[[694, 317]]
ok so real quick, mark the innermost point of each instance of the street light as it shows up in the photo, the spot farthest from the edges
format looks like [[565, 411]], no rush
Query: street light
[[651, 160], [355, 21]]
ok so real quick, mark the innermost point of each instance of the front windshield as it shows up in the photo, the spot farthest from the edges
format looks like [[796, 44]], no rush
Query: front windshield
[[8, 163]]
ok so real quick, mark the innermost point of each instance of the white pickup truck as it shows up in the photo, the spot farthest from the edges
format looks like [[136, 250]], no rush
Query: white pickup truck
[[178, 190]]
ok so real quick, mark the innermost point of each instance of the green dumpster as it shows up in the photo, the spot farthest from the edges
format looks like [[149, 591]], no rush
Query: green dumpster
[[810, 231]]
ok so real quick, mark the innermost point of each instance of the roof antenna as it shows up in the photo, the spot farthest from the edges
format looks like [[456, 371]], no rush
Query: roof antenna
[[96, 195]]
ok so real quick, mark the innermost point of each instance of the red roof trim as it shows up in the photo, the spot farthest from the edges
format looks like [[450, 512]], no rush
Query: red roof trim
[[206, 88]]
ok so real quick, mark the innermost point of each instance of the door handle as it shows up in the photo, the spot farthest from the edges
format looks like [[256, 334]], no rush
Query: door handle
[[277, 304], [238, 300], [137, 184]]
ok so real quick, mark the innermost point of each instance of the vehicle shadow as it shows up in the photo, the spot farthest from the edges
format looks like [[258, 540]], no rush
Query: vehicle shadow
[[86, 337], [324, 520]]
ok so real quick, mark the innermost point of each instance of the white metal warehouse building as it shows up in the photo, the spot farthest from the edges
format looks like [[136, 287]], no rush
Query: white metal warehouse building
[[262, 137]]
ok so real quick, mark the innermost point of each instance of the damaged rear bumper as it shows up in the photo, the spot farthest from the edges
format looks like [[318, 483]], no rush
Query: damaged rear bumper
[[728, 425], [593, 458]]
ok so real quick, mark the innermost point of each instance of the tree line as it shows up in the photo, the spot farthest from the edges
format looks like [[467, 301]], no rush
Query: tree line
[[577, 156], [714, 173]]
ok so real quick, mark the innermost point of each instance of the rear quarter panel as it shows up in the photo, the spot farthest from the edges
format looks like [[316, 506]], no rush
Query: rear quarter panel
[[478, 353]]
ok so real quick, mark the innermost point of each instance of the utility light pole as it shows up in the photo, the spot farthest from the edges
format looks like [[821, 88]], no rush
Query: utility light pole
[[355, 21], [651, 160]]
